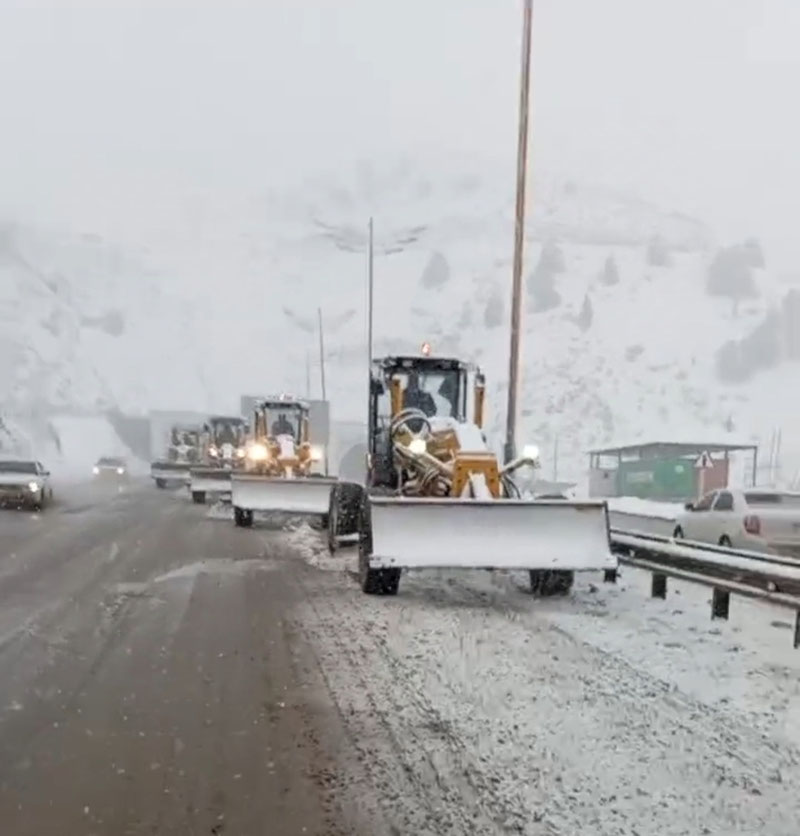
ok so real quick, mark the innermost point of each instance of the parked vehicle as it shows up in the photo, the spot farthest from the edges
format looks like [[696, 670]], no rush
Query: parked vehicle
[[24, 484], [759, 520]]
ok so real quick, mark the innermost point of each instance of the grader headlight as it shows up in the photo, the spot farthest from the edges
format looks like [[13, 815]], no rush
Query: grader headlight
[[417, 446], [316, 453], [530, 452], [258, 452]]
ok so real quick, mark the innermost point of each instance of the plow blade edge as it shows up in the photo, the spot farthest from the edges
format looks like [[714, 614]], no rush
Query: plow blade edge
[[495, 534], [291, 496], [170, 471], [210, 480]]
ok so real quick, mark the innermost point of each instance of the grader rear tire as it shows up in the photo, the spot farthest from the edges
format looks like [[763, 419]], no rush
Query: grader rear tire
[[549, 583], [242, 517]]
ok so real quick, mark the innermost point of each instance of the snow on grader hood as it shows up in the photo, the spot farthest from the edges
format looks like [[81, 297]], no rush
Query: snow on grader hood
[[437, 497], [278, 474]]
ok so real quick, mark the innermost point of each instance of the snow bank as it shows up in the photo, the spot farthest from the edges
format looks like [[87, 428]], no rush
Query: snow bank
[[604, 713], [630, 513], [645, 507]]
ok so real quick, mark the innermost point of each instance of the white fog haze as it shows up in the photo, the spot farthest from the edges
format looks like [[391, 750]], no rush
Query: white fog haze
[[205, 142], [686, 102], [264, 575]]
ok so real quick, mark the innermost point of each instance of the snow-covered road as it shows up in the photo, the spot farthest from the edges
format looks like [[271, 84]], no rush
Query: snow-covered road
[[477, 709]]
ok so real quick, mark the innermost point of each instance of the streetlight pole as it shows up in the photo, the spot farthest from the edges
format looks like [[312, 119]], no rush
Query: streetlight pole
[[519, 234], [370, 285], [321, 354], [322, 376]]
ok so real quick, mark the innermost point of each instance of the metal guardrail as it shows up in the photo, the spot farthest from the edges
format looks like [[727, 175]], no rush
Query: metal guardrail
[[727, 571]]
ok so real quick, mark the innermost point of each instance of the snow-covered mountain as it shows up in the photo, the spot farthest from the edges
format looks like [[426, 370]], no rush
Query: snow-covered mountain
[[622, 339]]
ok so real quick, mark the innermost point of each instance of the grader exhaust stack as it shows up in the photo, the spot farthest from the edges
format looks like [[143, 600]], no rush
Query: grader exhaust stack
[[437, 497]]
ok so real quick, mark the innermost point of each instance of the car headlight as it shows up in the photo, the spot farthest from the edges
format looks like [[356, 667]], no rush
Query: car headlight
[[95, 470], [531, 451], [33, 487], [316, 453], [417, 446], [120, 470], [258, 452]]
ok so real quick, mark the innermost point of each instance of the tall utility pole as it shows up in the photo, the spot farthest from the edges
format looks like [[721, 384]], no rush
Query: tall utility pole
[[370, 285], [321, 354], [519, 234], [370, 291], [322, 374], [308, 375], [555, 459]]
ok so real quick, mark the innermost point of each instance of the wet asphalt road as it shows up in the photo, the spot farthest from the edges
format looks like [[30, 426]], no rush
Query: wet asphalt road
[[152, 680]]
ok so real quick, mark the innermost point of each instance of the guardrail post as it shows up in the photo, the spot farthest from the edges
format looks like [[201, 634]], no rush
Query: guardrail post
[[720, 603], [658, 587], [797, 630], [610, 576]]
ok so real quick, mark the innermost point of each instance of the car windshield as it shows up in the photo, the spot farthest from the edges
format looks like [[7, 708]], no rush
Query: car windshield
[[17, 467], [109, 462]]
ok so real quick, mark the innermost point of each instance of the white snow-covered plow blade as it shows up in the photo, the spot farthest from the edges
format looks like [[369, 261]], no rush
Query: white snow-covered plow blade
[[210, 480], [305, 495], [489, 534], [170, 471]]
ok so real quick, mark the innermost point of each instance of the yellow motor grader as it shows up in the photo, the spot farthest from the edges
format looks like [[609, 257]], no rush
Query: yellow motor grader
[[279, 470], [223, 452], [436, 496]]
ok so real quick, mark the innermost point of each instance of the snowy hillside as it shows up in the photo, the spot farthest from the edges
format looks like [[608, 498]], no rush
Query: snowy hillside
[[84, 328], [219, 297]]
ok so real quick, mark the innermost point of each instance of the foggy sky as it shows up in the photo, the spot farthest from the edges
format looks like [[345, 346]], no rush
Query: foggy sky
[[688, 102]]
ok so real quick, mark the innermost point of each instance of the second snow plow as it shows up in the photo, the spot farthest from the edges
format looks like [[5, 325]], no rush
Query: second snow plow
[[279, 472], [223, 453], [437, 497]]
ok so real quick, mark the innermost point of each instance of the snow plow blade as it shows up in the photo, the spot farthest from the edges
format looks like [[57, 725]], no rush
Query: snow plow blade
[[170, 471], [489, 534], [306, 495], [210, 480]]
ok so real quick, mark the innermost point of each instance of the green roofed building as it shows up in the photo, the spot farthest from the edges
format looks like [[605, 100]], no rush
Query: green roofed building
[[667, 470]]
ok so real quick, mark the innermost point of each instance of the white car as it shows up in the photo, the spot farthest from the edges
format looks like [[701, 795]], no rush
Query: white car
[[24, 484], [110, 467], [758, 520]]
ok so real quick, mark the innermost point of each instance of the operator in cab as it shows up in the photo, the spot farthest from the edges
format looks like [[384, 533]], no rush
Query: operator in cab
[[415, 397], [282, 426]]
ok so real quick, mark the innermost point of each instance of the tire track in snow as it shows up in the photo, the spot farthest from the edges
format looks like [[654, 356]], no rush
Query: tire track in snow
[[567, 737], [426, 774]]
